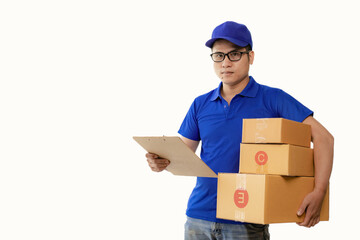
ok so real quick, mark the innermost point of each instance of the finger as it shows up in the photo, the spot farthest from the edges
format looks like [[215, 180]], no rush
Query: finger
[[160, 161], [155, 158], [302, 208], [316, 221], [157, 166], [151, 155], [154, 165], [306, 221], [311, 223], [313, 219], [157, 169]]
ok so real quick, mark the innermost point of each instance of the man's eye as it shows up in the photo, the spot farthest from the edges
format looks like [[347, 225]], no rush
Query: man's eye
[[235, 54]]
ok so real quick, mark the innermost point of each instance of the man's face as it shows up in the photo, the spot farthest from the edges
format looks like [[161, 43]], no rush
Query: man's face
[[232, 73]]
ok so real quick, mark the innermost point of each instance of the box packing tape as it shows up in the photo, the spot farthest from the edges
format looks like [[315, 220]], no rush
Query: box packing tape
[[262, 169], [239, 215], [259, 138], [261, 124], [240, 184], [241, 181]]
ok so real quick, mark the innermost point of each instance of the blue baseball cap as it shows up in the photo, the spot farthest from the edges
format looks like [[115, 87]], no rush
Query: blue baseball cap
[[234, 32]]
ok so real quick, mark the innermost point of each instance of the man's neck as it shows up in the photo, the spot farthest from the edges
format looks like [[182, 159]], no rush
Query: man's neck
[[230, 91]]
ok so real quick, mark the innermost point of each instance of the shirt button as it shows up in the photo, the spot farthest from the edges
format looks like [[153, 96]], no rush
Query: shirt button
[[224, 106]]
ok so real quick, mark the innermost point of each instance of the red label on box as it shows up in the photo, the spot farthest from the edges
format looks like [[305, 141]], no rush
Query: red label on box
[[261, 158], [241, 198]]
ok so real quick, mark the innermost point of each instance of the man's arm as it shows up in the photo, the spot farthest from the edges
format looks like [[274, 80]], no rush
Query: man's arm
[[190, 143], [323, 143]]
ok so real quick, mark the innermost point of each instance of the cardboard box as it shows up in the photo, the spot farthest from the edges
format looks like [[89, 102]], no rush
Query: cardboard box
[[264, 199], [276, 130], [280, 159]]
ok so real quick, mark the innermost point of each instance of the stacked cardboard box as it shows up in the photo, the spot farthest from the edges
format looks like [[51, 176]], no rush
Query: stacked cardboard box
[[276, 173]]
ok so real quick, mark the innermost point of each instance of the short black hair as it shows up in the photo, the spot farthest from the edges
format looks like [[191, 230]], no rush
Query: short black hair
[[248, 48]]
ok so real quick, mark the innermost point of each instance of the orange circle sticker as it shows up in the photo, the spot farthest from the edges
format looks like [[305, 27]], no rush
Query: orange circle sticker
[[261, 158], [241, 198]]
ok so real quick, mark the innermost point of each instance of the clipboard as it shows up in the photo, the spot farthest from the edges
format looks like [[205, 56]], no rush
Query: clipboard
[[183, 161]]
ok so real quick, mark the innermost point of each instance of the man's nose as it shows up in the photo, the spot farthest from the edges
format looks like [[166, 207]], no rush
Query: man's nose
[[226, 61]]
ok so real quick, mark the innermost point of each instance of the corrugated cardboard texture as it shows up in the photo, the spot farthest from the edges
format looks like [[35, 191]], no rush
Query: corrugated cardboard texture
[[301, 161], [280, 159], [271, 198], [228, 183], [276, 130], [183, 161], [284, 196]]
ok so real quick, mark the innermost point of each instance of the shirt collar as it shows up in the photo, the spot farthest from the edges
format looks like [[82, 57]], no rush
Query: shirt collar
[[250, 90]]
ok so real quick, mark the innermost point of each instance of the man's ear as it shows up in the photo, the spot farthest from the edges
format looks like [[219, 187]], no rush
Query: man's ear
[[251, 57]]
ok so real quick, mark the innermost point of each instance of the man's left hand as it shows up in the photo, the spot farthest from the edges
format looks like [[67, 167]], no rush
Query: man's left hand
[[311, 206]]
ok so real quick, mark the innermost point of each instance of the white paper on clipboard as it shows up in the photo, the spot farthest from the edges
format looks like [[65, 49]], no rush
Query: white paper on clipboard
[[183, 161]]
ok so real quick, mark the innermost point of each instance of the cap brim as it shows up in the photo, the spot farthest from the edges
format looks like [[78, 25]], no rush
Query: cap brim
[[237, 42]]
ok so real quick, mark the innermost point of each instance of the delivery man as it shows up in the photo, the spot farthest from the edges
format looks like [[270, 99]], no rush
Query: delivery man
[[215, 118]]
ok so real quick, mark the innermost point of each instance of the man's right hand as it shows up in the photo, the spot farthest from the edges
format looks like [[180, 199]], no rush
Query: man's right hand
[[156, 163]]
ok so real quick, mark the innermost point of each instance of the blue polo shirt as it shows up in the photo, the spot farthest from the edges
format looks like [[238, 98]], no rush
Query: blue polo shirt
[[219, 127]]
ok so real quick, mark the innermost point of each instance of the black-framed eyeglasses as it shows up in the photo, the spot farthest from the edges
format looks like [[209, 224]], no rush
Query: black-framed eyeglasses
[[233, 56]]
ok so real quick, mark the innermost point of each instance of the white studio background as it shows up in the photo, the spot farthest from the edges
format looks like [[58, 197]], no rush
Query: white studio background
[[78, 79]]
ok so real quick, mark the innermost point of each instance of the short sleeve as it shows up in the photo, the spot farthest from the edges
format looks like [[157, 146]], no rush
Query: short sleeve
[[189, 127], [290, 108]]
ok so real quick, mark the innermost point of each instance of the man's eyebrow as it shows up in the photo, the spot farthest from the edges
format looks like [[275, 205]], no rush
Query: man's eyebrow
[[239, 49], [235, 49]]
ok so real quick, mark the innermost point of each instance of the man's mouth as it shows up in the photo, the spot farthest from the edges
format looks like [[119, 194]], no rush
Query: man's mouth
[[226, 73]]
